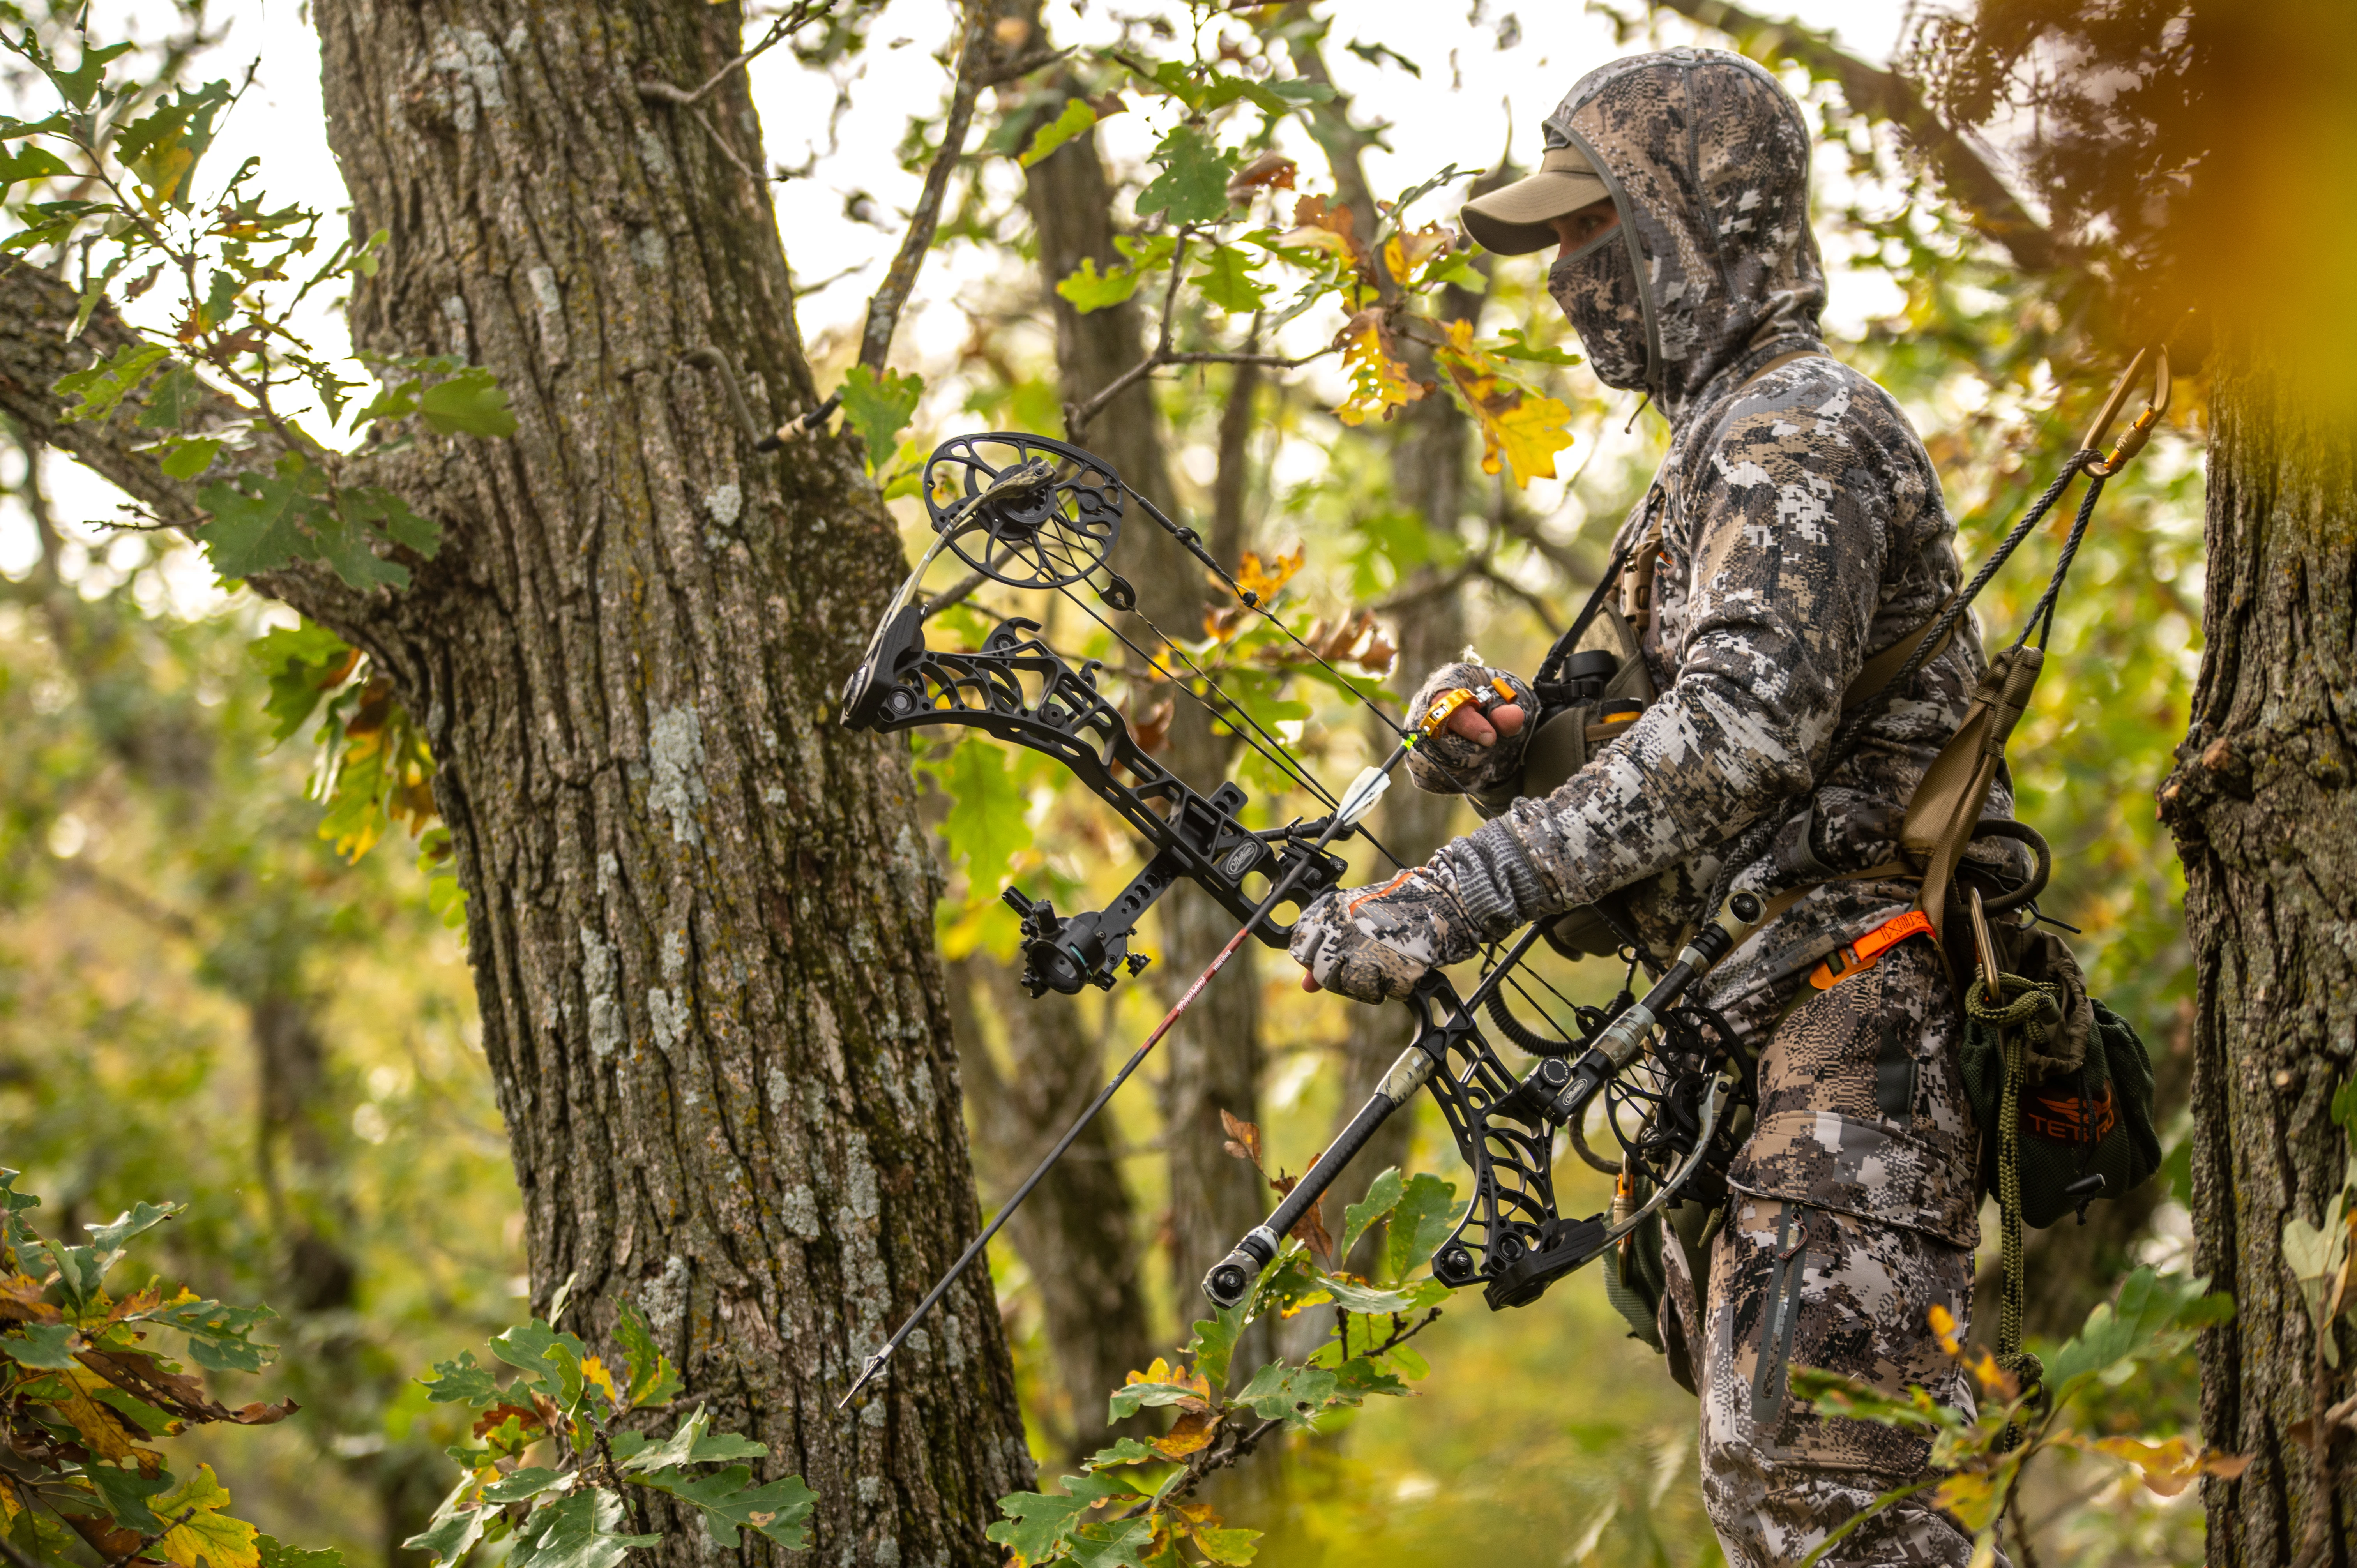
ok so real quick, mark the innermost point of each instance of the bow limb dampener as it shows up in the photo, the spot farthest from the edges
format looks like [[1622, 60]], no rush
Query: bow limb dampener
[[1029, 512]]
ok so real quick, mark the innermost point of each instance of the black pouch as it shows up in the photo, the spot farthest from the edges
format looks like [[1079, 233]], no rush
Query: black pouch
[[2085, 1105]]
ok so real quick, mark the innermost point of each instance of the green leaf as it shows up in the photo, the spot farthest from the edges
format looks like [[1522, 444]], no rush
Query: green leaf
[[1355, 1297], [1113, 1544], [126, 1494], [462, 1382], [1376, 54], [576, 1532], [276, 1553], [48, 1346], [1131, 1398], [1230, 1548], [389, 517], [469, 402], [2155, 1317], [1227, 282], [1128, 1451], [454, 1528], [986, 826], [692, 1444], [98, 390], [220, 1337], [779, 1509], [1427, 1212], [1037, 1524], [1088, 289], [1293, 1394], [522, 1485], [1382, 1197], [1193, 185], [1514, 344], [879, 408], [1076, 119], [80, 84], [258, 522], [1357, 1378], [29, 162], [139, 1218], [653, 1381], [188, 460], [303, 663], [1214, 1344]]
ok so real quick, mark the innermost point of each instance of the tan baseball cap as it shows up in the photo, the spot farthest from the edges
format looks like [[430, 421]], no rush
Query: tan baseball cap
[[1518, 219]]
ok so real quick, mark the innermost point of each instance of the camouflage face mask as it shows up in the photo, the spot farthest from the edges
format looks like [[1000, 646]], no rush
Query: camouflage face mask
[[1596, 287]]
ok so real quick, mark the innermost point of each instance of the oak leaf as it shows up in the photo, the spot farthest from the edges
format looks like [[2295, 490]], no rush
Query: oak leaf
[[1521, 430], [1380, 385]]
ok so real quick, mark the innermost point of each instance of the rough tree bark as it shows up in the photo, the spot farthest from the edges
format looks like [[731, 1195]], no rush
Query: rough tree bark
[[699, 913], [2261, 806]]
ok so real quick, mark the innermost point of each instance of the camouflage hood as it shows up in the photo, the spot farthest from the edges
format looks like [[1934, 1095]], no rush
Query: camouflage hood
[[1708, 159]]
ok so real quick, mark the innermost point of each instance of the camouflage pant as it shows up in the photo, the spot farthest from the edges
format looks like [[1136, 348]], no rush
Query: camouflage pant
[[1855, 1225]]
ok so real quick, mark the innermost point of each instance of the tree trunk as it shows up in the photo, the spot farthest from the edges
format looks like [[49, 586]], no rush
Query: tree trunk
[[700, 913], [2260, 804], [1077, 1233], [1212, 1058]]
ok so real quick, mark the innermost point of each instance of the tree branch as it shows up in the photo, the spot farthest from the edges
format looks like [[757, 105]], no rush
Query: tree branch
[[803, 12], [892, 294], [36, 310], [1077, 415], [1880, 94]]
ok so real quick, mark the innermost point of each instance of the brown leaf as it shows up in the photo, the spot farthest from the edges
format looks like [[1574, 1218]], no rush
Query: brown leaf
[[1243, 1138], [1152, 729], [1193, 1431], [1107, 105], [1317, 226], [1220, 625], [1311, 1231], [1270, 171], [140, 1374], [526, 1417]]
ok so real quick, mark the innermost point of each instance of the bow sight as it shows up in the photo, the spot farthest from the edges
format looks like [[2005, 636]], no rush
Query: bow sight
[[1030, 512]]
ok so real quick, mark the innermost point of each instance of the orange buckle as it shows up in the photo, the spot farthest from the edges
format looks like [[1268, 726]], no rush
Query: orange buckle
[[1865, 952]]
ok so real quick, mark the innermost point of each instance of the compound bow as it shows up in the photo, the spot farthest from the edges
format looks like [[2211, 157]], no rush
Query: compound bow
[[1031, 513]]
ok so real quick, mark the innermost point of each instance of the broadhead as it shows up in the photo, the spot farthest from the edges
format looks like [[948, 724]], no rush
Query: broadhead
[[875, 1364]]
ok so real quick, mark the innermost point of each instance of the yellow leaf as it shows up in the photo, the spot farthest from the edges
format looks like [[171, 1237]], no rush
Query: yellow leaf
[[1159, 1372], [2173, 1465], [1379, 384], [1191, 1431], [93, 1421], [1405, 251], [593, 1370], [207, 1536], [1943, 1324], [1262, 577], [1972, 1497], [1521, 430]]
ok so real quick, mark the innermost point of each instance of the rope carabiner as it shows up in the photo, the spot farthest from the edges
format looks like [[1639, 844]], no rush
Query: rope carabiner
[[2139, 430]]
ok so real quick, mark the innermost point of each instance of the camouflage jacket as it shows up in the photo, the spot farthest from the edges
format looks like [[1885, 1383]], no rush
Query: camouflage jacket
[[1803, 531]]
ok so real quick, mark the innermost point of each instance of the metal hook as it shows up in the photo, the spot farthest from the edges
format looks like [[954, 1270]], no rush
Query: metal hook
[[2139, 430]]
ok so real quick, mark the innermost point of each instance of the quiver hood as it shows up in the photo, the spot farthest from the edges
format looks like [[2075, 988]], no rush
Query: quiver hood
[[1707, 158]]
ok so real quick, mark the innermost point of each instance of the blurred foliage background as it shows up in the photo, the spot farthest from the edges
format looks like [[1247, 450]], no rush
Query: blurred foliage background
[[200, 999]]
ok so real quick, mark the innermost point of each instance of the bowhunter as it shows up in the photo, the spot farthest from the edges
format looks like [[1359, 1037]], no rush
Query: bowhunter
[[1794, 532]]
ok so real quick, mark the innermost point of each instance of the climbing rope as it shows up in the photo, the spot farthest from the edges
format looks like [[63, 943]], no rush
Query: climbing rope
[[2023, 1016]]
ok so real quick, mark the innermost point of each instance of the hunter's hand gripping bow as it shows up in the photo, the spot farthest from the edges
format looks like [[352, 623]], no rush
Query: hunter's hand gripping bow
[[1030, 512]]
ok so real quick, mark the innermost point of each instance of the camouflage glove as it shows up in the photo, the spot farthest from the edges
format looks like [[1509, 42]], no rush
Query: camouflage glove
[[1374, 943], [1448, 763]]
